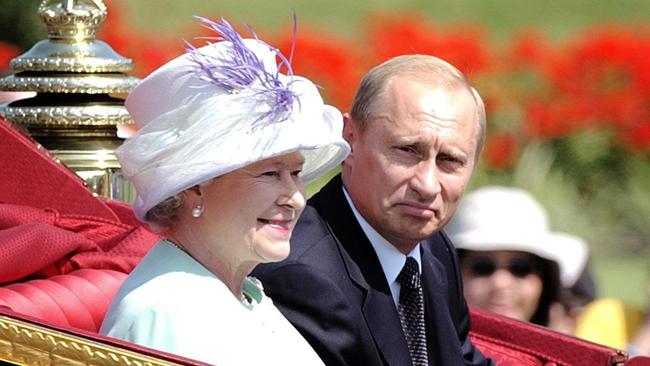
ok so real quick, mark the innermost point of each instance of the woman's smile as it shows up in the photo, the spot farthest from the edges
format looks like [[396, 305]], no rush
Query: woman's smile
[[284, 227]]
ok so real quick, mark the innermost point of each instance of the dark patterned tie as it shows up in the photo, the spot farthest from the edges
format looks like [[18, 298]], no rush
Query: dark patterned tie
[[411, 311]]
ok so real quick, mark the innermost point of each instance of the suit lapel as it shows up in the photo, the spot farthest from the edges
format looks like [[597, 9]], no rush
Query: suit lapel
[[365, 270], [441, 331]]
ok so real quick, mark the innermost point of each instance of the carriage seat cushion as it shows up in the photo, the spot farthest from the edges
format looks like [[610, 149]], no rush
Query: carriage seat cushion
[[513, 342], [78, 299]]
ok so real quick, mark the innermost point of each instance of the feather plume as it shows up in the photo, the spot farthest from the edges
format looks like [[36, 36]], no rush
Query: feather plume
[[241, 68]]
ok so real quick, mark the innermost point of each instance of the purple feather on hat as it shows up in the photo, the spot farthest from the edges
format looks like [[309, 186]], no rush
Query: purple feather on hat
[[241, 68]]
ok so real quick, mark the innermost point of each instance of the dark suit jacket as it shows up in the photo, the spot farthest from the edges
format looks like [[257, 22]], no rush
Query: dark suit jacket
[[333, 289]]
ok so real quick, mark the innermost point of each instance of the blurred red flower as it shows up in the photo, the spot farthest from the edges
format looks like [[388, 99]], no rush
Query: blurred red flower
[[148, 51], [603, 61], [7, 53], [330, 61], [555, 120], [500, 151], [408, 33], [528, 48], [596, 81], [637, 138]]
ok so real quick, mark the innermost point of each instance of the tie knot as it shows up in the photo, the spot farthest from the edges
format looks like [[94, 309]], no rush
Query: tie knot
[[410, 274]]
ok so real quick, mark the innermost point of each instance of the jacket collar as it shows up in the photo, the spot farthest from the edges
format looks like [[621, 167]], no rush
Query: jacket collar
[[365, 271]]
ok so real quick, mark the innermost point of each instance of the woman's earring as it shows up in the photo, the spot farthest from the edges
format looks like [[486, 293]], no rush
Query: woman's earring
[[197, 211]]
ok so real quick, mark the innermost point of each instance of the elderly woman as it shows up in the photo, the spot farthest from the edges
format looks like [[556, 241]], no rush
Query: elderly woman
[[511, 263], [224, 145]]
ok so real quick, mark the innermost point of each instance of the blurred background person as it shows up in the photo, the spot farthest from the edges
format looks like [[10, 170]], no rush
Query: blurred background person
[[578, 288], [512, 264]]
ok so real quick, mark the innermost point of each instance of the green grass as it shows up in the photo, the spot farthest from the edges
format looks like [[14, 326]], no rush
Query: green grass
[[623, 277], [559, 18]]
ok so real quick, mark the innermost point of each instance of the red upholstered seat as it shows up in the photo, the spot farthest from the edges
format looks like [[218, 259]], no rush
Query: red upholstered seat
[[512, 342], [504, 354], [65, 252], [78, 299], [638, 361]]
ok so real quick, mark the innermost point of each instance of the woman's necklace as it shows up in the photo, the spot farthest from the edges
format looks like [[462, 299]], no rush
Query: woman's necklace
[[244, 298]]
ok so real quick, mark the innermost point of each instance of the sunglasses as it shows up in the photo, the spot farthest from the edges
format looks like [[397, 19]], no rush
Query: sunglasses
[[518, 267]]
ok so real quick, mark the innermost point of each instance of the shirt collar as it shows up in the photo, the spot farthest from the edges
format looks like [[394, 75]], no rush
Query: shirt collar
[[392, 260]]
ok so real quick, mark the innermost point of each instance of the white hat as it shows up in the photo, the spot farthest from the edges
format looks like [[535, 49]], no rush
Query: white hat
[[504, 218], [219, 108]]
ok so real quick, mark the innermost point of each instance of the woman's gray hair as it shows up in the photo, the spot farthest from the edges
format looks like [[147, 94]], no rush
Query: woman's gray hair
[[166, 212], [426, 68]]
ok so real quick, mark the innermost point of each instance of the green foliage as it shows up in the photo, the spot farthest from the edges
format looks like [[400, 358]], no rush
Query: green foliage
[[19, 23], [316, 185]]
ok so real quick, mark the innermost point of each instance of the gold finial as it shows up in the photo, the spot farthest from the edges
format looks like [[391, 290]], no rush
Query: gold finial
[[80, 83], [72, 46], [72, 20]]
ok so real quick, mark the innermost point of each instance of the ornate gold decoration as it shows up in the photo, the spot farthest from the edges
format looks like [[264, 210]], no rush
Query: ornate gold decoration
[[28, 344], [69, 116], [91, 84], [80, 83], [71, 45], [72, 21], [70, 62]]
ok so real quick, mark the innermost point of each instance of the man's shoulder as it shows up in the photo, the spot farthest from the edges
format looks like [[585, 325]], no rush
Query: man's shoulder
[[440, 247], [310, 229], [312, 244]]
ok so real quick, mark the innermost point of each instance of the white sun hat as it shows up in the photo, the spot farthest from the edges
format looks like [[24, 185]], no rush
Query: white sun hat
[[219, 108], [504, 218]]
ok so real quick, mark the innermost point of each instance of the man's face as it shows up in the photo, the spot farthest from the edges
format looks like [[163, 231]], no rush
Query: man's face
[[410, 165]]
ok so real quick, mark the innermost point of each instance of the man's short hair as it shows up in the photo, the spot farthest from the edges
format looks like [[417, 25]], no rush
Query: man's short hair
[[425, 68]]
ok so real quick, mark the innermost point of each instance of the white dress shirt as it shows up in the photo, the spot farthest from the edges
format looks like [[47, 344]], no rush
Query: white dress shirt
[[392, 260]]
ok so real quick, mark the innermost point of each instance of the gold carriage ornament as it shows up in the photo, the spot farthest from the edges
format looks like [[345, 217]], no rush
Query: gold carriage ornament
[[80, 86]]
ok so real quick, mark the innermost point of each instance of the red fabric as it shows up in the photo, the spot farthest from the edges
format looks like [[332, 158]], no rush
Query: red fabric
[[38, 243], [78, 299], [50, 223], [504, 355], [31, 177], [638, 361], [63, 252], [512, 342]]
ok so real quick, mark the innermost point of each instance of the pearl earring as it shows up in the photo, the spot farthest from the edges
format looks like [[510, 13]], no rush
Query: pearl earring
[[197, 211]]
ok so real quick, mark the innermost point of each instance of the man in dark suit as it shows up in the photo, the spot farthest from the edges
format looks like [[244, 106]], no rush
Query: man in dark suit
[[416, 129]]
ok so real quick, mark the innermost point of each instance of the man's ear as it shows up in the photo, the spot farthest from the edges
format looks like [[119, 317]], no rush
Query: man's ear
[[351, 136], [350, 131]]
